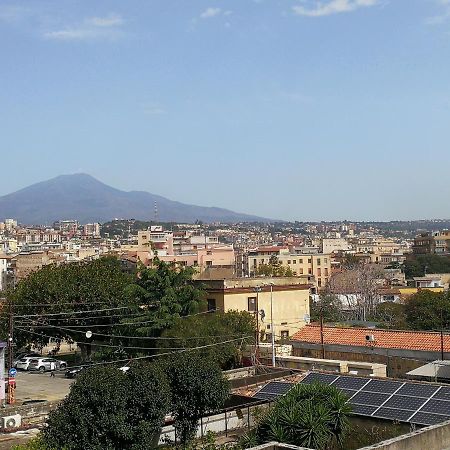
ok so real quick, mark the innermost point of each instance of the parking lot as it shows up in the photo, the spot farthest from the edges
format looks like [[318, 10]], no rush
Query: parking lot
[[37, 386]]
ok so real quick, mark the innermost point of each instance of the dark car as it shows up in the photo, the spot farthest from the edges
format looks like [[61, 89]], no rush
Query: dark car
[[75, 371]]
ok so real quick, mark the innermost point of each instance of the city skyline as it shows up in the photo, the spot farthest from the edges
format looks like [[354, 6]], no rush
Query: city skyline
[[293, 110]]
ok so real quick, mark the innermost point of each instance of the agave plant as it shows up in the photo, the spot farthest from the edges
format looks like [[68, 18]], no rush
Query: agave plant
[[309, 415]]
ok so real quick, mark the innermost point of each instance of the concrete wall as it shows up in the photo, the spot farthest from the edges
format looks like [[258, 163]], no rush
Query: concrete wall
[[397, 361], [436, 437], [33, 414]]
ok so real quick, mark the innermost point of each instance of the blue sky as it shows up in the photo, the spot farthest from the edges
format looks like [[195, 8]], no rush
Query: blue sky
[[292, 109]]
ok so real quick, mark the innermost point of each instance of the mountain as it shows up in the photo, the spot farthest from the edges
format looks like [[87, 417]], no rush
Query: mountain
[[86, 199]]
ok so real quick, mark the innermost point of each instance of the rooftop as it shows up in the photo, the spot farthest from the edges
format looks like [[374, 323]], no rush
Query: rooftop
[[399, 339]]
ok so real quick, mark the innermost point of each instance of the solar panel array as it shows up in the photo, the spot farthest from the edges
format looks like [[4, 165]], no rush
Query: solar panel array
[[273, 390], [419, 403]]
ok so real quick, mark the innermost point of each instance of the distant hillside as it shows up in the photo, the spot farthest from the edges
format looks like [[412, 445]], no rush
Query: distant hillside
[[84, 198]]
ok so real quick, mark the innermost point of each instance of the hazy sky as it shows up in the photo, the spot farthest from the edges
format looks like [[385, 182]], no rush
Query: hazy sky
[[292, 109]]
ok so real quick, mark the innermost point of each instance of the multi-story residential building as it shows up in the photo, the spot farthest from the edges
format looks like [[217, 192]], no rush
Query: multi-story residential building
[[25, 263], [309, 263], [432, 243], [287, 297], [3, 271], [91, 230]]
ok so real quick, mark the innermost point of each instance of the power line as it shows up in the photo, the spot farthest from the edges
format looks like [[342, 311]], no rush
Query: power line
[[133, 347], [92, 317], [130, 337], [168, 353], [73, 312]]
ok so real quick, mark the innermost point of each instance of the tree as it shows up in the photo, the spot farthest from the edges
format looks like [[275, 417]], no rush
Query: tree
[[309, 415], [391, 315], [359, 287], [109, 409], [428, 310], [212, 328], [274, 269], [49, 301], [197, 387], [165, 292], [418, 265], [327, 307]]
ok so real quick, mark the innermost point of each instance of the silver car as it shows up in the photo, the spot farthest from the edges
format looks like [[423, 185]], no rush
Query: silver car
[[23, 363], [46, 364]]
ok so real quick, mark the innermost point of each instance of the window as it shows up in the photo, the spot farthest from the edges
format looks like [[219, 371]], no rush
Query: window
[[310, 271], [325, 260], [300, 261], [285, 334], [211, 304], [294, 261], [289, 261], [268, 337], [318, 261], [309, 260], [254, 263], [208, 263], [283, 323], [319, 282], [301, 271], [251, 304], [319, 272], [268, 327], [326, 271]]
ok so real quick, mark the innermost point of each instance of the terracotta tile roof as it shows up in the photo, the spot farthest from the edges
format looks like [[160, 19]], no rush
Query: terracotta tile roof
[[399, 339]]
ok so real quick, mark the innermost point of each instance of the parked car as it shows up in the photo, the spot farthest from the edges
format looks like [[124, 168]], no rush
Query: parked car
[[23, 355], [46, 364], [75, 371], [24, 363]]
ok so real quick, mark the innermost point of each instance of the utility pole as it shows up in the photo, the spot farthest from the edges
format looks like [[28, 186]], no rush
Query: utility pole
[[321, 332], [11, 386], [271, 326], [442, 336], [258, 290]]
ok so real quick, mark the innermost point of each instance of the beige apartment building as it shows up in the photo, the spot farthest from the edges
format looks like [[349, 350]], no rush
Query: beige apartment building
[[317, 265], [288, 296]]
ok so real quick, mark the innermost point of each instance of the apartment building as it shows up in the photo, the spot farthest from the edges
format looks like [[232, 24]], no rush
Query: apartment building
[[310, 263], [287, 297], [432, 243]]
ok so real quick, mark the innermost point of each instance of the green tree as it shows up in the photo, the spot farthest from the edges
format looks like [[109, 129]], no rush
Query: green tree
[[274, 269], [76, 290], [109, 409], [165, 293], [391, 315], [428, 310], [328, 306], [416, 266], [309, 415], [197, 387], [212, 328]]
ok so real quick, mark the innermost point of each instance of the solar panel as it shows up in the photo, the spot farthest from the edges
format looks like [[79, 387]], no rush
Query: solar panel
[[276, 387], [403, 402], [266, 396], [394, 414], [420, 403], [437, 407], [369, 398], [315, 377], [418, 390], [428, 419], [364, 410], [442, 394], [386, 387], [350, 383], [348, 392]]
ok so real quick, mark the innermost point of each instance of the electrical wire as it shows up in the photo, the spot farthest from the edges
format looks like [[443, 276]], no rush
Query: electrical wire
[[131, 337], [74, 312], [167, 353], [92, 317]]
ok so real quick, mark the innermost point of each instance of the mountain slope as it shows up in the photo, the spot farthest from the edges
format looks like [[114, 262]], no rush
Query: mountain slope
[[86, 199]]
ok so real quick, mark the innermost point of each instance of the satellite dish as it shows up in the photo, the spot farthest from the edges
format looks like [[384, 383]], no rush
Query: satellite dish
[[88, 334]]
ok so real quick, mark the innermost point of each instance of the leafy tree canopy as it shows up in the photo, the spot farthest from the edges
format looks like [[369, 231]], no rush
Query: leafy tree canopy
[[416, 266], [197, 387], [215, 327], [274, 269], [109, 409], [428, 310]]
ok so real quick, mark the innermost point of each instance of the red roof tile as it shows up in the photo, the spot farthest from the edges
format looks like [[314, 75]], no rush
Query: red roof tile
[[407, 340]]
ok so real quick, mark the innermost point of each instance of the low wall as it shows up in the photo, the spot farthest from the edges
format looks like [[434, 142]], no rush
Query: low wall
[[276, 446], [436, 437], [33, 414]]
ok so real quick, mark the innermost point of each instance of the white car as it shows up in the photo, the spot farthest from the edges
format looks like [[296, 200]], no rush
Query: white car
[[23, 363]]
